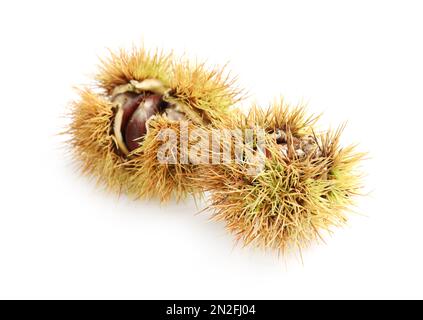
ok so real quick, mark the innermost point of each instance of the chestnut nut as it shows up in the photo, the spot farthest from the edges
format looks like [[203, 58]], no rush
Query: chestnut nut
[[136, 103]]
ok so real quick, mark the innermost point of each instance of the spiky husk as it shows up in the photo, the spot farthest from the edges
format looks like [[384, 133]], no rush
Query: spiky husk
[[293, 199], [208, 93]]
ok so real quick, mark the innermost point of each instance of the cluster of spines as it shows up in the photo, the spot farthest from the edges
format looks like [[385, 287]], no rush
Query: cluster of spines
[[207, 92], [293, 199]]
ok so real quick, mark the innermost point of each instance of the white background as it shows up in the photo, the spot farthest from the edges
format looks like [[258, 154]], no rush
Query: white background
[[356, 61]]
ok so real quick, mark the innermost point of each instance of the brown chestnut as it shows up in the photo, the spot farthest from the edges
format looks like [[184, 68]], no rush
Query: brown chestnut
[[135, 103], [126, 104], [137, 124]]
